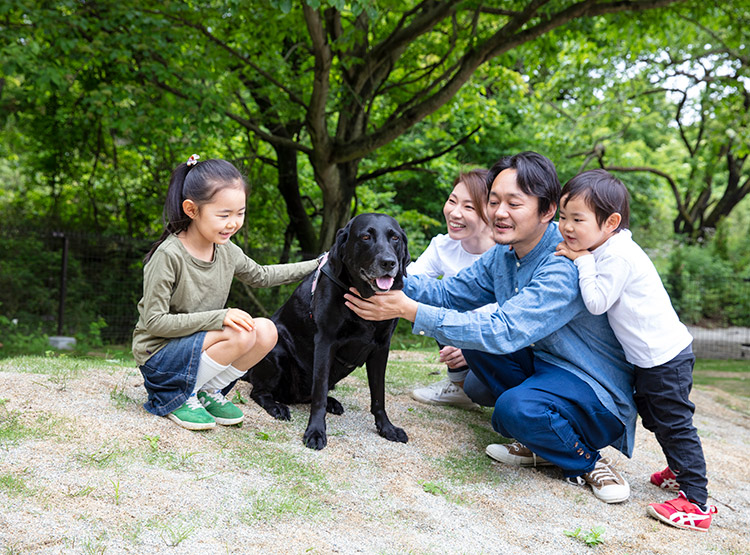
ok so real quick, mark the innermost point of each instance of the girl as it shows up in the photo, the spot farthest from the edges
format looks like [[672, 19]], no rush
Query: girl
[[469, 235], [187, 345]]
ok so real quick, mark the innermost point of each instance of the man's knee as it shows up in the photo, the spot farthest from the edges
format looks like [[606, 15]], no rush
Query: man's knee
[[516, 409]]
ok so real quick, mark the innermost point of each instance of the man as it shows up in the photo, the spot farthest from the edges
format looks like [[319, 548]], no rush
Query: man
[[555, 374]]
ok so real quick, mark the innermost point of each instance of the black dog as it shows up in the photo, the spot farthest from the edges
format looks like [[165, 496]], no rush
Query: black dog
[[321, 341]]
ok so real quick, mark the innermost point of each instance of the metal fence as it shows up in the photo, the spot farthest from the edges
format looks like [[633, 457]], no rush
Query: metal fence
[[63, 283]]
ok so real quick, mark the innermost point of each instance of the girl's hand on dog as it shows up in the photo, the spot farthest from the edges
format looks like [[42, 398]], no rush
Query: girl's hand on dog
[[382, 305], [239, 320]]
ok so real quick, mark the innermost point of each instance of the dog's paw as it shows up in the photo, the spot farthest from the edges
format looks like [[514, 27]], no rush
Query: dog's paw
[[279, 412], [333, 406], [392, 433], [315, 439]]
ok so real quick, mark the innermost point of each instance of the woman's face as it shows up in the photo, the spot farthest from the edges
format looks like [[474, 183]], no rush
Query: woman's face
[[461, 215]]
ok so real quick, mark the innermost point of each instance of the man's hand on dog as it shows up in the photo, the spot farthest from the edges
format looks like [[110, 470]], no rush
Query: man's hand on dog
[[382, 306]]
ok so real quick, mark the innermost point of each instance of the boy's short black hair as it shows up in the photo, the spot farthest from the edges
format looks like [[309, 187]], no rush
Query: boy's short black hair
[[603, 193], [535, 174]]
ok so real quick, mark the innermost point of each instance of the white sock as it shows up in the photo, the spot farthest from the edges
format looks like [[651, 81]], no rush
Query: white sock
[[208, 369], [220, 381]]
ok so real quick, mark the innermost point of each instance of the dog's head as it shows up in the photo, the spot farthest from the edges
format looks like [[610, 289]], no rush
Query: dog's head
[[371, 251]]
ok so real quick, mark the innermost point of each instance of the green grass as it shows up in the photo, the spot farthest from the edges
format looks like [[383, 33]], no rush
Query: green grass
[[732, 376], [14, 485]]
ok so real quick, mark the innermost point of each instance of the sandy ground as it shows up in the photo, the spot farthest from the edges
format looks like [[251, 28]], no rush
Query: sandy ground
[[84, 469]]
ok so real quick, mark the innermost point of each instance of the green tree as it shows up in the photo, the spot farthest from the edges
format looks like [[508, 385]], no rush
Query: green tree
[[334, 82]]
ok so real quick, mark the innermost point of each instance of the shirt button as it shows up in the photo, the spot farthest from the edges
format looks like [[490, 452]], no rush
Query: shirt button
[[516, 289], [518, 264], [421, 333]]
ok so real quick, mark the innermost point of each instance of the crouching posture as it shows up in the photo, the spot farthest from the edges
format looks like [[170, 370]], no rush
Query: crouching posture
[[187, 344]]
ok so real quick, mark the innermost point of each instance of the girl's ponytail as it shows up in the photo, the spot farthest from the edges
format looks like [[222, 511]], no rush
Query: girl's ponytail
[[197, 181], [174, 217]]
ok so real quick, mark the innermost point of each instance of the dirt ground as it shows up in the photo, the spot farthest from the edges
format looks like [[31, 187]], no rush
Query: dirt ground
[[84, 469]]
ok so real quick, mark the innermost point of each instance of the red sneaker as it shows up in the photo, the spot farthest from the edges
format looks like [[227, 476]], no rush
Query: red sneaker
[[681, 513], [665, 480]]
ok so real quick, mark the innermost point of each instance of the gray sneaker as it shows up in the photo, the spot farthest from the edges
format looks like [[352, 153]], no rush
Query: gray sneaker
[[443, 393], [606, 483], [516, 454]]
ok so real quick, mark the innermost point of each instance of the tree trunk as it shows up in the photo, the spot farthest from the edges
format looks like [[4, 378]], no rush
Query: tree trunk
[[288, 185]]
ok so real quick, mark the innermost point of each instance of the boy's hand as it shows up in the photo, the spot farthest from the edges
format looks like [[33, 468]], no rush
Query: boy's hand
[[564, 250], [239, 320]]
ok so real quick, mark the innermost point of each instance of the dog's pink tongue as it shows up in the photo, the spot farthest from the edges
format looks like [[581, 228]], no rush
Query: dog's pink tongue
[[384, 283]]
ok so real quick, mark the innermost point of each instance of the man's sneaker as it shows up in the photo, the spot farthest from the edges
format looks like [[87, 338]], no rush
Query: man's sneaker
[[515, 453], [682, 513], [218, 406], [665, 479], [192, 416], [443, 393], [605, 482]]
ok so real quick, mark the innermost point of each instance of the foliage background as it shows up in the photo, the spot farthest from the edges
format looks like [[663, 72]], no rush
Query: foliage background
[[100, 100]]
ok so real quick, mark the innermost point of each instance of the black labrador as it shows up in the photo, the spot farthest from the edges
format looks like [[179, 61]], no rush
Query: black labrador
[[321, 341]]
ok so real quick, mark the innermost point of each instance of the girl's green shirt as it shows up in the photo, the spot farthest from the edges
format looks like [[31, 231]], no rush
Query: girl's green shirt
[[183, 295]]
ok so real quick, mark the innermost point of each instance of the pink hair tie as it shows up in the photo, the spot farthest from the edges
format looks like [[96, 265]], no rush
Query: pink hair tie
[[193, 160]]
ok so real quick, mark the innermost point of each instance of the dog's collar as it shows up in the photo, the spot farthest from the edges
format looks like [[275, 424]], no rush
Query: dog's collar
[[323, 268]]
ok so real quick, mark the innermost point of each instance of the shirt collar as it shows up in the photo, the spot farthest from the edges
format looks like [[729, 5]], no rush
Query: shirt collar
[[546, 244]]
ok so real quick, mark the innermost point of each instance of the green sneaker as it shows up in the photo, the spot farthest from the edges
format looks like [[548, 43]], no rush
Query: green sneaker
[[218, 406], [192, 416]]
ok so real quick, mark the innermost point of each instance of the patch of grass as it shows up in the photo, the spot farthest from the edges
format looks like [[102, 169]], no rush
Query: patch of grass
[[56, 364], [732, 376], [121, 399], [592, 538], [13, 430], [106, 456], [168, 459], [300, 487], [272, 504], [15, 486]]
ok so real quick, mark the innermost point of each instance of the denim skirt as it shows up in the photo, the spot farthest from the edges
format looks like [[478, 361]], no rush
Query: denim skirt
[[169, 375]]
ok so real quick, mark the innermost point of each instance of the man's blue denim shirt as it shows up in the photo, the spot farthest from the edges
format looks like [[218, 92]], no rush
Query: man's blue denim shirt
[[540, 306]]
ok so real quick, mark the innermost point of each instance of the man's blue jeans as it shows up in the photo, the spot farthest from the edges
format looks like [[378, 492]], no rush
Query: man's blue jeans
[[548, 409]]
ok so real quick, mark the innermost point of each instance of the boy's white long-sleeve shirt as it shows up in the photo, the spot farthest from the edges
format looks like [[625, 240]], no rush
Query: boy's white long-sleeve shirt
[[619, 278]]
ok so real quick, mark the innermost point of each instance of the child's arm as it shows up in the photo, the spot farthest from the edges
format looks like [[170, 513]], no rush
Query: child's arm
[[602, 281], [255, 275]]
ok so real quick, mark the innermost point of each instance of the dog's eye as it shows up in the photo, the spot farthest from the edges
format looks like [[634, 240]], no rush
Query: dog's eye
[[395, 238], [366, 237]]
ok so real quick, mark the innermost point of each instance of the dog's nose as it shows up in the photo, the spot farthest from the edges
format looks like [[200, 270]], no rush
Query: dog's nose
[[387, 264]]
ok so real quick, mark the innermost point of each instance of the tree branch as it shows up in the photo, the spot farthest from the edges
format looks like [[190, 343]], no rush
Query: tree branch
[[680, 206], [412, 165], [502, 41]]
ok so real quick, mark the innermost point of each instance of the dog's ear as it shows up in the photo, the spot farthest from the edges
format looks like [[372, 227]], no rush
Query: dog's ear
[[336, 252], [403, 259]]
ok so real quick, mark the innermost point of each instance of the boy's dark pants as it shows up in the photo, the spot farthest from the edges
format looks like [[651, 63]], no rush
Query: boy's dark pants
[[662, 397]]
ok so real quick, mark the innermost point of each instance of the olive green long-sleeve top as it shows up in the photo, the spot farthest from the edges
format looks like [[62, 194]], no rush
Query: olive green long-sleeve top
[[183, 295]]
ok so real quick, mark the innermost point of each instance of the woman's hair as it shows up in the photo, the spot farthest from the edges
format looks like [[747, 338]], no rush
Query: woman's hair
[[603, 193], [535, 175], [198, 182], [476, 183]]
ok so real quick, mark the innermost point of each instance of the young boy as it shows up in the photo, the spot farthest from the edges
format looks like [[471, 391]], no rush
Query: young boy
[[617, 277]]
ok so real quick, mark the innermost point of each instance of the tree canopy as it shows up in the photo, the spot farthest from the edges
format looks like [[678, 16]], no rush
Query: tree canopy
[[319, 101]]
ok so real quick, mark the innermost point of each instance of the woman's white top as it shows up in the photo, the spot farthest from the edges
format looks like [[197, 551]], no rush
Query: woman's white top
[[445, 257], [620, 279]]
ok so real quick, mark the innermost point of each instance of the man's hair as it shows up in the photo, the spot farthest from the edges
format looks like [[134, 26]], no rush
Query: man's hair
[[535, 174], [603, 193]]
